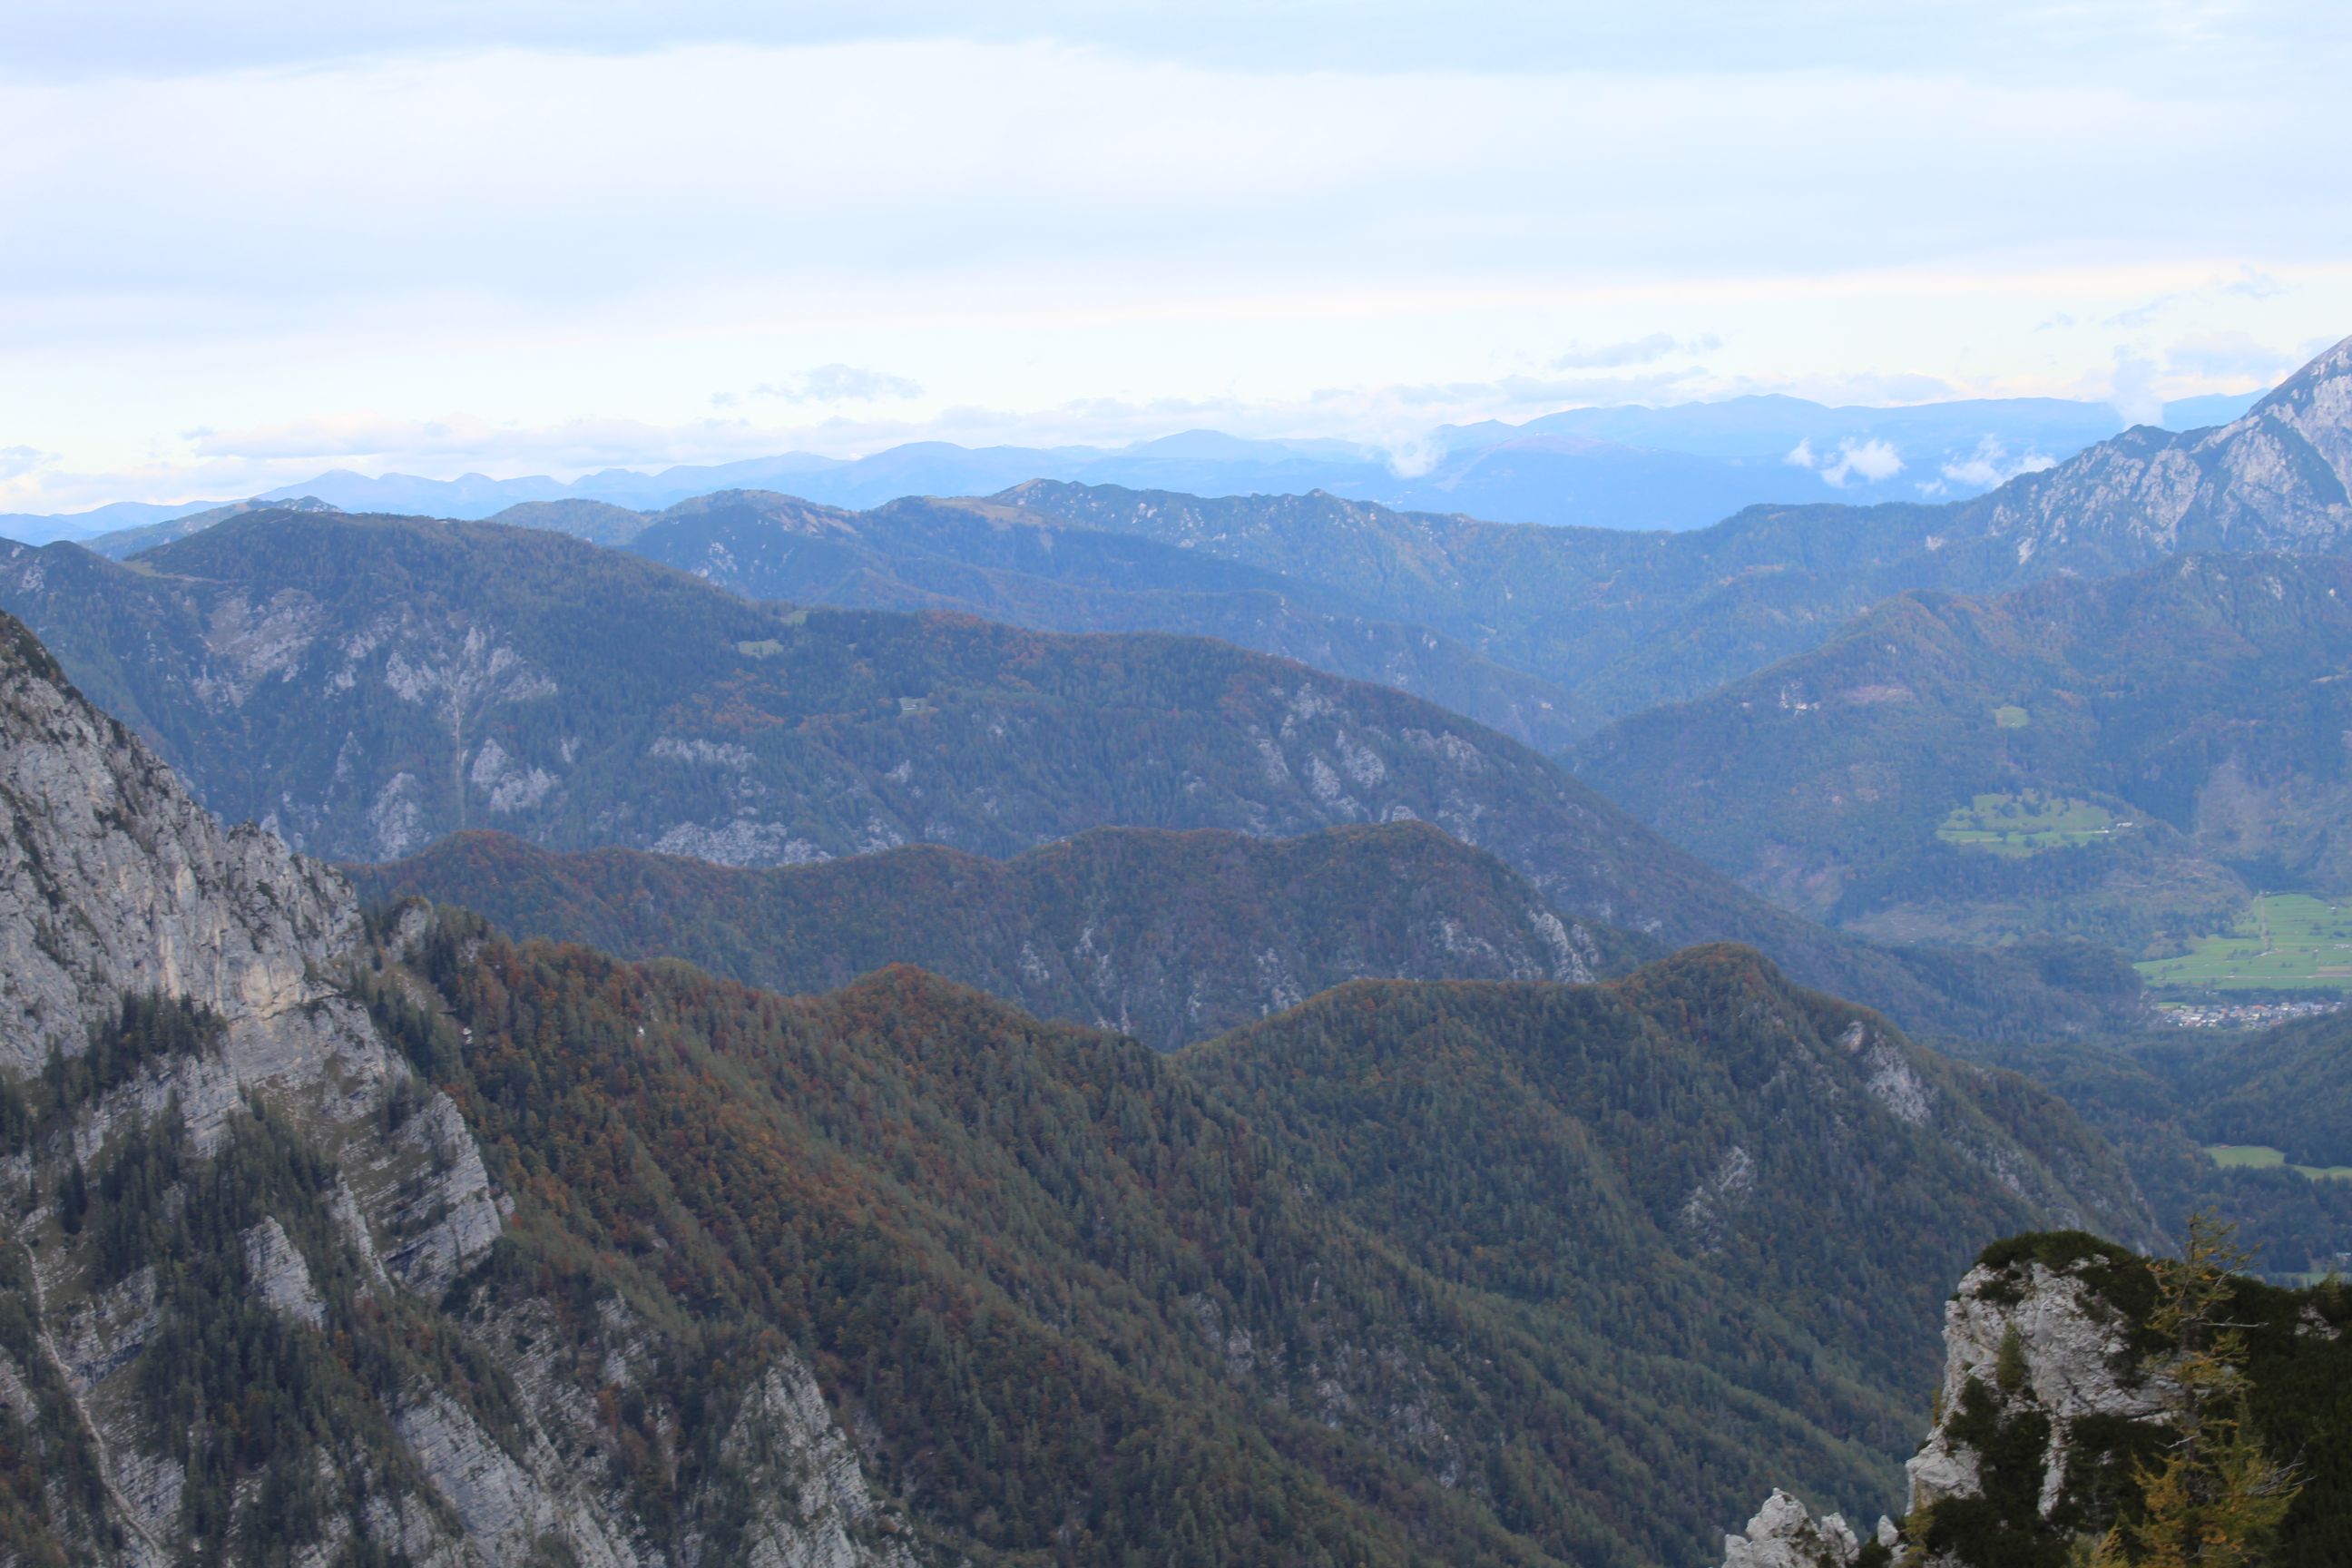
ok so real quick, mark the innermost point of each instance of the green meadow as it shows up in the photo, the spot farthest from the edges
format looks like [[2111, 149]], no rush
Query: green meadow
[[2025, 824], [2282, 942], [2259, 1157]]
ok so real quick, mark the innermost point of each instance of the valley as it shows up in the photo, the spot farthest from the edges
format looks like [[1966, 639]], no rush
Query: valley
[[645, 1244], [1153, 786], [2283, 942]]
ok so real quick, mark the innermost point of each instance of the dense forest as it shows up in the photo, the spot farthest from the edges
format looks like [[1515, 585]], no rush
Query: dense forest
[[1006, 565], [1169, 937], [580, 698], [2194, 705]]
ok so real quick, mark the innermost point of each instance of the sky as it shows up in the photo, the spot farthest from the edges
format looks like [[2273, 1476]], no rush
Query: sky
[[241, 243]]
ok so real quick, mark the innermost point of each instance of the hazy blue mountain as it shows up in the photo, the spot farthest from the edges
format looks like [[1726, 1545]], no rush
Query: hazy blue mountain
[[1168, 937], [1674, 467], [1007, 564], [46, 528], [2195, 711], [366, 684], [2213, 408], [129, 542]]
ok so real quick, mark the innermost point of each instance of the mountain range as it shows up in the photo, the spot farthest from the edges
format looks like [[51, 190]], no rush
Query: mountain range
[[2194, 708], [364, 685], [381, 1238], [1624, 466], [1168, 937], [1544, 632]]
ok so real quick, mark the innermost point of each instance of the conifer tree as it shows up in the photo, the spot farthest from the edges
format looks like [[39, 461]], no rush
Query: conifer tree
[[2214, 1499]]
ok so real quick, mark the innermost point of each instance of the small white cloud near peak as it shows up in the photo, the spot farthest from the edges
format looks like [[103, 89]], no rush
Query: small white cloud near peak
[[1872, 461], [1410, 456], [1991, 465], [2133, 390]]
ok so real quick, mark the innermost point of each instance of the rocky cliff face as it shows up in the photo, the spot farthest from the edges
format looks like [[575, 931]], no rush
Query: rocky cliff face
[[237, 1215], [2278, 479], [2054, 1389]]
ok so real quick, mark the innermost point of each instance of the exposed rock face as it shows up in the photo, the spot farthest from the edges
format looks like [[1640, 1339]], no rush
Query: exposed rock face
[[1784, 1534], [2056, 1388], [112, 879], [2278, 479], [2072, 1359], [114, 882]]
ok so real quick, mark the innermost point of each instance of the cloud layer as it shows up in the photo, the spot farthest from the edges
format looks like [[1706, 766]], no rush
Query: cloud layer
[[524, 239]]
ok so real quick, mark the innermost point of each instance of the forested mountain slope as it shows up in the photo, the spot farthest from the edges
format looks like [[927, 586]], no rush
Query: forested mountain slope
[[1516, 1131], [237, 1214], [364, 684], [1169, 937], [1006, 565], [1620, 620], [407, 1243], [1626, 620], [2196, 709]]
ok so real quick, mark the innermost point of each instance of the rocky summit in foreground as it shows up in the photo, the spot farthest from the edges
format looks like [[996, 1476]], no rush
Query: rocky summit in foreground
[[2097, 1405]]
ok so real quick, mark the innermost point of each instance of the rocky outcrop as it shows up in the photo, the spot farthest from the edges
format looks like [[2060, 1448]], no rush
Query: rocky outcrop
[[112, 879], [1785, 1534], [2279, 478], [2042, 1343], [2057, 1389], [243, 1116]]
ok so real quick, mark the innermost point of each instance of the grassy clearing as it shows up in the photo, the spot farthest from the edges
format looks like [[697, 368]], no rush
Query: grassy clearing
[[2260, 1157], [2009, 716], [2027, 823], [2283, 942]]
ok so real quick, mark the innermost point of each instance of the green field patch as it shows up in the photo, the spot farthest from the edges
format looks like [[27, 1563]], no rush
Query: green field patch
[[2009, 716], [2283, 942], [2025, 824], [2260, 1157]]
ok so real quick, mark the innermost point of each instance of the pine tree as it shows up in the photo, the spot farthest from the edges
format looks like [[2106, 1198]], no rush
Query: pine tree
[[2215, 1500], [73, 1199]]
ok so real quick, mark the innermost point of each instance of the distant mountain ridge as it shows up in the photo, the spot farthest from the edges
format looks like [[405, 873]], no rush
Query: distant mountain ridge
[[1623, 621], [366, 684], [2199, 702], [1169, 937], [1005, 563], [1629, 467]]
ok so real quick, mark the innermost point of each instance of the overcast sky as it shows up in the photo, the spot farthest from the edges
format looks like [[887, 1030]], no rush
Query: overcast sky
[[241, 243]]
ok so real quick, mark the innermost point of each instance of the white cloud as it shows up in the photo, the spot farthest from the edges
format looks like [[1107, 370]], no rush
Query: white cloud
[[2133, 389], [1873, 461], [1635, 350], [1044, 225], [2227, 355], [18, 460], [833, 384], [1990, 465]]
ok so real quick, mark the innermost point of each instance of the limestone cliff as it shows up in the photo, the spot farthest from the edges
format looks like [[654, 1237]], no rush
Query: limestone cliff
[[229, 1195], [2055, 1389]]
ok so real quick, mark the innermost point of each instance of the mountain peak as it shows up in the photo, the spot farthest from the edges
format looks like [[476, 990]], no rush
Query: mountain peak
[[2279, 478]]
